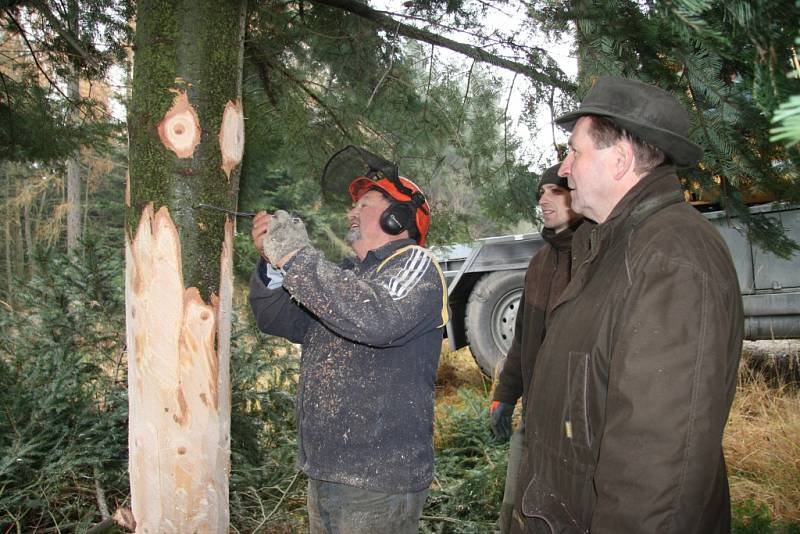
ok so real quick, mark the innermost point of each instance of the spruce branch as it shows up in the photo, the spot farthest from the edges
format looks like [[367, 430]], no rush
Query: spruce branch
[[261, 58], [364, 11], [68, 36], [388, 69]]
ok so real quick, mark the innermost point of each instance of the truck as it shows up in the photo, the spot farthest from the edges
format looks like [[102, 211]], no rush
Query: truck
[[485, 281]]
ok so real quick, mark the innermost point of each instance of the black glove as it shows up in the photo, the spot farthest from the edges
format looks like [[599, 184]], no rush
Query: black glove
[[501, 413]]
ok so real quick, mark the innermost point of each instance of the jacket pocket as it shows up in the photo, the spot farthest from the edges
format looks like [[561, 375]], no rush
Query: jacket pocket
[[577, 427], [542, 503]]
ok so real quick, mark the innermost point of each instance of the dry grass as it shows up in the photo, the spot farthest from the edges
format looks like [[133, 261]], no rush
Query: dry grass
[[762, 446], [457, 369]]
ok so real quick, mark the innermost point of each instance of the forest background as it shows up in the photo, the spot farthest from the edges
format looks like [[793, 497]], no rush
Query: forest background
[[319, 75]]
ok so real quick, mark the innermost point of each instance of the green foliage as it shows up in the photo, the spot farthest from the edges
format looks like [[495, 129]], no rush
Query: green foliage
[[32, 126], [470, 469], [327, 79], [266, 492], [64, 422], [35, 114], [63, 403], [751, 518], [98, 42], [727, 62], [788, 116]]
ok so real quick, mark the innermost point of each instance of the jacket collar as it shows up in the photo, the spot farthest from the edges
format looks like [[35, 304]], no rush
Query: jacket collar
[[654, 191], [377, 255], [563, 239]]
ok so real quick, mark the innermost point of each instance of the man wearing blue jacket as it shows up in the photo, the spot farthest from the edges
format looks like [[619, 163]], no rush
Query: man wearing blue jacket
[[370, 330]]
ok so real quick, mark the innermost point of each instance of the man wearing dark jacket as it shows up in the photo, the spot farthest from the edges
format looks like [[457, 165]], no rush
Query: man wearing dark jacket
[[633, 383], [370, 331], [547, 276]]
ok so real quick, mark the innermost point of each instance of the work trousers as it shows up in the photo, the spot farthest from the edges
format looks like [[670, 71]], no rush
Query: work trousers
[[341, 509], [512, 475]]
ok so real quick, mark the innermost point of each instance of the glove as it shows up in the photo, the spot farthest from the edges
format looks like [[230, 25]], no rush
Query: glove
[[500, 413], [286, 234]]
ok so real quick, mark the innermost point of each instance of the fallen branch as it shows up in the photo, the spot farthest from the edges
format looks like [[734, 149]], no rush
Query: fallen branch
[[121, 520]]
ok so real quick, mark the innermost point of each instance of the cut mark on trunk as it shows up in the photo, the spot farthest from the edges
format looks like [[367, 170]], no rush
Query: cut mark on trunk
[[198, 353], [179, 437], [231, 136], [179, 130]]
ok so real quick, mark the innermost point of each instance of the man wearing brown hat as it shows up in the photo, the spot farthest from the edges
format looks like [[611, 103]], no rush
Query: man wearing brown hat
[[633, 383], [547, 275]]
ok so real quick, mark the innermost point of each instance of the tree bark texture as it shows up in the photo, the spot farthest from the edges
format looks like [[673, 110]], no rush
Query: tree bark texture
[[9, 271], [26, 215], [185, 149], [74, 162]]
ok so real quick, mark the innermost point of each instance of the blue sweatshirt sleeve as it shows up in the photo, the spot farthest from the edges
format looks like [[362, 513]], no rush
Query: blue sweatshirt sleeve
[[275, 311]]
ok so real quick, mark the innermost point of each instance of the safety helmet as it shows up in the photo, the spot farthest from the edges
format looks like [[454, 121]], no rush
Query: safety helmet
[[409, 206]]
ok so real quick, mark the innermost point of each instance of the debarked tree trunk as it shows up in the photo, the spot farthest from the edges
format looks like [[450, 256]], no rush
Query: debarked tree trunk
[[186, 135]]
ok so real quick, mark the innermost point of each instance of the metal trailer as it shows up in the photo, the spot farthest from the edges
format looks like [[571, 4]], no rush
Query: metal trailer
[[485, 283]]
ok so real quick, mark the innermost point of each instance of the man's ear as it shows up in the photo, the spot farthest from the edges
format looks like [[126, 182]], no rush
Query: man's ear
[[624, 158]]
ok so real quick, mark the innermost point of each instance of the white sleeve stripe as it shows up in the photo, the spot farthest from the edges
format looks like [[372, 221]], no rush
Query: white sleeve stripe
[[420, 266], [413, 271], [412, 264], [398, 279], [409, 283]]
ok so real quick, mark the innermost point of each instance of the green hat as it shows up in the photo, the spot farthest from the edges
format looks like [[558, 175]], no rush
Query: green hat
[[644, 110], [550, 176]]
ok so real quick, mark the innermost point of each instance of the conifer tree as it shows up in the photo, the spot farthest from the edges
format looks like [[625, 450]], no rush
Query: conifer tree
[[728, 64]]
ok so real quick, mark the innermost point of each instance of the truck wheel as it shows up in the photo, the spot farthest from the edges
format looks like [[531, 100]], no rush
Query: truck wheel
[[491, 311]]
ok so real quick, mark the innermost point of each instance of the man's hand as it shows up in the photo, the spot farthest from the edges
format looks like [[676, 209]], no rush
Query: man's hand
[[281, 238], [259, 231], [501, 413]]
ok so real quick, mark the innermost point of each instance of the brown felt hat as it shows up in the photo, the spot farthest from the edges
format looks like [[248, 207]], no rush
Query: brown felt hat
[[644, 110]]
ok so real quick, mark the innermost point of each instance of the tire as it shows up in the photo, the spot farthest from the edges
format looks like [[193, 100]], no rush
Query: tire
[[490, 315]]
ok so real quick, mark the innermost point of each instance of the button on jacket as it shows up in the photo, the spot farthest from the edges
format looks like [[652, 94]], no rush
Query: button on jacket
[[371, 337], [633, 384]]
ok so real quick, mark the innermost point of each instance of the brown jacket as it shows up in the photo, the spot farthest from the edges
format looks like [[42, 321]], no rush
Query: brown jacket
[[634, 381], [547, 276]]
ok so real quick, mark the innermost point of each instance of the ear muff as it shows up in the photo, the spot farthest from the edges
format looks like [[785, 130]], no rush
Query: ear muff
[[398, 217]]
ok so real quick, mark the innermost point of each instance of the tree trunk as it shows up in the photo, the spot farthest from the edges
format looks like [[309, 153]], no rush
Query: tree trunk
[[186, 133], [26, 214], [9, 272], [74, 162]]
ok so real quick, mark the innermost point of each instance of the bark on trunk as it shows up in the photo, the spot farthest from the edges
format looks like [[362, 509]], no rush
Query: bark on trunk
[[187, 73], [26, 214], [74, 162], [9, 271]]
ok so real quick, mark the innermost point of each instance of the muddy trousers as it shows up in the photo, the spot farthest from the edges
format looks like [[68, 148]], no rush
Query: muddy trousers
[[340, 509], [512, 474]]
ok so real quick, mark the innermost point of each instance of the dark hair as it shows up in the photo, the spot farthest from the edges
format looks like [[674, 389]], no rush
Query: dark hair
[[605, 132]]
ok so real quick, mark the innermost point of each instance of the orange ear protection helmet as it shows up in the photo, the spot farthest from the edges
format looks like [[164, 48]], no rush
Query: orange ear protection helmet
[[409, 211]]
